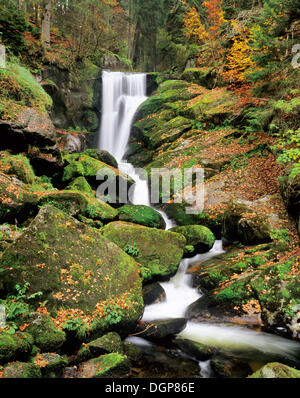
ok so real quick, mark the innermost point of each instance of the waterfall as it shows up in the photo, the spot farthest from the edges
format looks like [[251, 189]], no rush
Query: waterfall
[[122, 94]]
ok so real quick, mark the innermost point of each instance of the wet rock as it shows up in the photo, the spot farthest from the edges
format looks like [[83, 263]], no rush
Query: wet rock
[[199, 351], [19, 370], [131, 351], [109, 365], [160, 330], [276, 370], [159, 362], [229, 367], [153, 293]]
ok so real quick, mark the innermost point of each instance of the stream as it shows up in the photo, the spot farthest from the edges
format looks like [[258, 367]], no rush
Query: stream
[[123, 93]]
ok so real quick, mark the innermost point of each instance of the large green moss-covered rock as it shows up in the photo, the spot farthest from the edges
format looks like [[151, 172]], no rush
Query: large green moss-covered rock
[[142, 215], [75, 267], [198, 236], [14, 347], [159, 252], [109, 365], [20, 370], [276, 370]]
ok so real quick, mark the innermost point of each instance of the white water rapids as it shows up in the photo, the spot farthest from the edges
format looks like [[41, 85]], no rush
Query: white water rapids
[[123, 93]]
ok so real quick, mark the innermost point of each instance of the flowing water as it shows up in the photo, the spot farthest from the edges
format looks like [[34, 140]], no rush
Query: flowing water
[[123, 93]]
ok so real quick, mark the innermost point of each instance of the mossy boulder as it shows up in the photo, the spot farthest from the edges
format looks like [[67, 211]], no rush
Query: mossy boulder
[[110, 342], [79, 203], [109, 365], [47, 337], [159, 252], [91, 275], [14, 347], [102, 156], [198, 236], [51, 364], [17, 165], [142, 215], [20, 370], [276, 370], [81, 165]]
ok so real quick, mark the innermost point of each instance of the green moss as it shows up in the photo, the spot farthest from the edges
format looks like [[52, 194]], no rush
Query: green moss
[[13, 347], [17, 165], [198, 236], [19, 89], [80, 184], [143, 215], [111, 365]]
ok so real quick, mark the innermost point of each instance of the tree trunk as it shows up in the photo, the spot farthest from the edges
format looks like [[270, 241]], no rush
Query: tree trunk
[[46, 21]]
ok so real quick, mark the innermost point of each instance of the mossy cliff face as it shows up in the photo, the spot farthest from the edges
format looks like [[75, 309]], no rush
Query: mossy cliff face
[[74, 276], [159, 252]]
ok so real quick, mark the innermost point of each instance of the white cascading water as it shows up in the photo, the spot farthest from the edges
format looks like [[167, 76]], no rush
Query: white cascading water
[[123, 93]]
